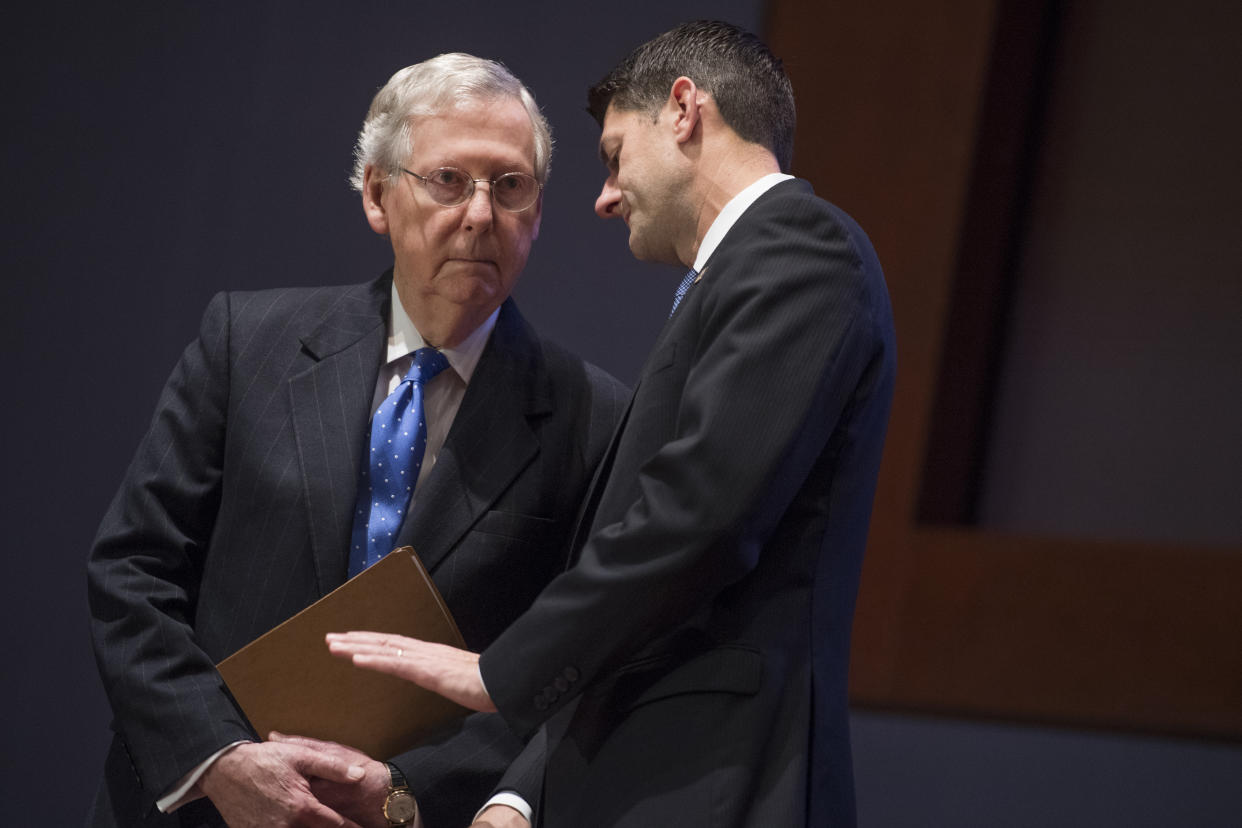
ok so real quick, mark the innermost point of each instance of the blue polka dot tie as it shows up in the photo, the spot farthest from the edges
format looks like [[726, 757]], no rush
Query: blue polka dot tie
[[394, 457], [682, 288]]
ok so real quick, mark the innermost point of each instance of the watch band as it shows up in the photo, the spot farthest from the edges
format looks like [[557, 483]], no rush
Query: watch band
[[396, 779], [400, 808]]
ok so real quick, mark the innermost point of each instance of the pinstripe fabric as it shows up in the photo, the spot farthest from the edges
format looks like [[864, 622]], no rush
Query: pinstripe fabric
[[695, 655], [236, 512]]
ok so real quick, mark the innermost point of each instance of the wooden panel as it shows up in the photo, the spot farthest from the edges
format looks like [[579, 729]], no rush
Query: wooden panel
[[988, 250], [1100, 633], [887, 102], [893, 107]]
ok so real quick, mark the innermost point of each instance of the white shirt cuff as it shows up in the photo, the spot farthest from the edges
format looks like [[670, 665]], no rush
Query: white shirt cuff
[[510, 799], [179, 795]]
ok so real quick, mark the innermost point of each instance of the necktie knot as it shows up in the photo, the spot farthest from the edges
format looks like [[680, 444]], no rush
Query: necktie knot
[[427, 363]]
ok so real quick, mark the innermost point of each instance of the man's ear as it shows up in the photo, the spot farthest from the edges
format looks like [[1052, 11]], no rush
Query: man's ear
[[685, 99], [373, 183]]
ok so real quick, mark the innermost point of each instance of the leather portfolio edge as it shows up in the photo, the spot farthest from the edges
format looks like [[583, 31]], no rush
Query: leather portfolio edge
[[286, 680]]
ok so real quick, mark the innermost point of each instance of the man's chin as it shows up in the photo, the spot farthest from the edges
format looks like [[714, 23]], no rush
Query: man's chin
[[646, 253], [638, 249]]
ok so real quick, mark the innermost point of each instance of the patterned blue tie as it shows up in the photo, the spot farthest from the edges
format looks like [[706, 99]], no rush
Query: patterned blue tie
[[398, 440], [682, 288]]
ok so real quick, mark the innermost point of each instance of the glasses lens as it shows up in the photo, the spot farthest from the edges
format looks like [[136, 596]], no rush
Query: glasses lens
[[515, 190], [448, 186]]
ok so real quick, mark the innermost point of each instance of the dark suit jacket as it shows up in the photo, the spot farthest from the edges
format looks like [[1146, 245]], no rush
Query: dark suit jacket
[[236, 513], [693, 661]]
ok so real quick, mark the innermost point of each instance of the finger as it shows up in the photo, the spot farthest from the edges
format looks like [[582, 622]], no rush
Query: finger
[[382, 644], [344, 753], [398, 647], [305, 741], [421, 667], [344, 647], [395, 645], [348, 648], [456, 679], [325, 766], [378, 639]]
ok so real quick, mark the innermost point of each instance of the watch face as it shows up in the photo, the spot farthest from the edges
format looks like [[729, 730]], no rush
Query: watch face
[[400, 808]]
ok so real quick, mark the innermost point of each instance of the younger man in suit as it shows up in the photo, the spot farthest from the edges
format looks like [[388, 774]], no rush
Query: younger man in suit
[[690, 667], [253, 493]]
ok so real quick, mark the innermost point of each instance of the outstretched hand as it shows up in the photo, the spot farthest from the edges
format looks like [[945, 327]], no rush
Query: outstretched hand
[[442, 669]]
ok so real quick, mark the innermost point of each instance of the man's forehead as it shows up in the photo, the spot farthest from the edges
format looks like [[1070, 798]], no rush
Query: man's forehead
[[471, 126], [473, 108]]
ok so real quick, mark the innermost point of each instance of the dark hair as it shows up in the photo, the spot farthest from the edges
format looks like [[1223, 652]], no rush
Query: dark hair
[[747, 82]]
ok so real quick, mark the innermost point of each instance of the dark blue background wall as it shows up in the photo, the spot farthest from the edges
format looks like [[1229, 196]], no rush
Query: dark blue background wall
[[157, 154]]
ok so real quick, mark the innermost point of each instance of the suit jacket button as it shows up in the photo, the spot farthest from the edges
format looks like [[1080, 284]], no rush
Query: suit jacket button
[[540, 703], [560, 684], [570, 674]]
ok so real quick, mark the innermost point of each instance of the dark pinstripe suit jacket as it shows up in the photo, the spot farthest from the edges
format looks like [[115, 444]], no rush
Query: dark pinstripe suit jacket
[[236, 513], [692, 664]]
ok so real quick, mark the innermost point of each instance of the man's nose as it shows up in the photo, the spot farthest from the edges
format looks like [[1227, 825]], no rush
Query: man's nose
[[479, 206], [609, 201]]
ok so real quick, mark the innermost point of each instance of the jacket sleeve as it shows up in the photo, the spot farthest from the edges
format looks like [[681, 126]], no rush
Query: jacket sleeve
[[168, 701], [451, 778], [735, 407]]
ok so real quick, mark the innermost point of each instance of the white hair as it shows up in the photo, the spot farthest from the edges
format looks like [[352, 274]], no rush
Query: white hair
[[430, 88]]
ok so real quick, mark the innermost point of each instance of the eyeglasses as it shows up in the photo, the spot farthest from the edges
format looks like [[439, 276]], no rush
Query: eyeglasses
[[449, 186]]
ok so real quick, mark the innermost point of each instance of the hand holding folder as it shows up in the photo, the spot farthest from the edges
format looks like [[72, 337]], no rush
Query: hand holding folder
[[286, 680]]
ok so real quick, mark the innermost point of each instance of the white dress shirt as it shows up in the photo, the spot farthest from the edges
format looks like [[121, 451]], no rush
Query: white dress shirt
[[730, 213], [443, 395]]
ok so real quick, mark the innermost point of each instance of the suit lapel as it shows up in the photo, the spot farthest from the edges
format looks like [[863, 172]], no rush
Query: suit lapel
[[331, 404], [491, 440], [489, 443]]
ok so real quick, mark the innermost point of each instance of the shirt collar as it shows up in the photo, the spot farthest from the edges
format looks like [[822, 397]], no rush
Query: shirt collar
[[731, 213], [404, 339]]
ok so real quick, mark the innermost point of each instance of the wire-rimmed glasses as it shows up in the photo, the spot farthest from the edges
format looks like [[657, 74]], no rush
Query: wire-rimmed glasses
[[449, 186]]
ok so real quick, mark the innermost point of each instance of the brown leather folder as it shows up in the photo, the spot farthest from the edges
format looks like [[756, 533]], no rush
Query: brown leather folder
[[286, 680]]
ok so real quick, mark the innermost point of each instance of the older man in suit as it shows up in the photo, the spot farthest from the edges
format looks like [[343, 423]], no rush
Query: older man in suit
[[691, 665], [254, 492]]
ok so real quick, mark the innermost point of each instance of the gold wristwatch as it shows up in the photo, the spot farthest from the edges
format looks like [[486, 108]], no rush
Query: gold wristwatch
[[400, 807]]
